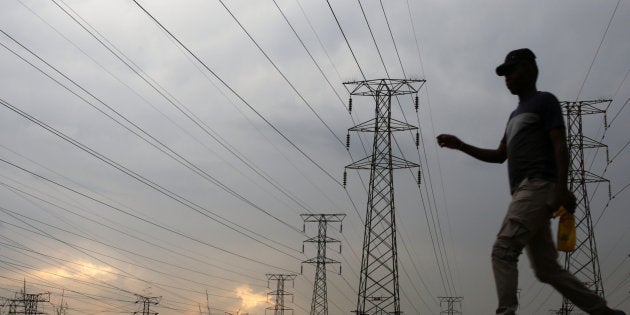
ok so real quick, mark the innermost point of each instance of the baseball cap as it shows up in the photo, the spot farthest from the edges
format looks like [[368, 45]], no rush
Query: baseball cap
[[513, 58]]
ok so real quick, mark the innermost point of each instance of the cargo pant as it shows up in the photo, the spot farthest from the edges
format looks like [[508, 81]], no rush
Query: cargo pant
[[527, 225]]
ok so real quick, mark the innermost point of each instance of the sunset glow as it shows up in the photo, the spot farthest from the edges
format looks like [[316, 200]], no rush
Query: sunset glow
[[250, 299]]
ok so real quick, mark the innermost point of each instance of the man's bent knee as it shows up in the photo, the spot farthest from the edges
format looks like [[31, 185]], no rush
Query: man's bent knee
[[505, 250]]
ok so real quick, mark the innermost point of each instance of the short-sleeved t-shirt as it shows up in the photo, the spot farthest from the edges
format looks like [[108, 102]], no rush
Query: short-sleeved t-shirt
[[528, 145]]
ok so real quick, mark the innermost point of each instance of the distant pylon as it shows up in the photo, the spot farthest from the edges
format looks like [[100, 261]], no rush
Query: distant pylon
[[450, 305], [278, 308], [583, 262], [25, 303], [378, 291], [146, 304], [319, 302]]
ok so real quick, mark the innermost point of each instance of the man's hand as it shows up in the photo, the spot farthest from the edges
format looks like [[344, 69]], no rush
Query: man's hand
[[497, 155], [449, 141], [563, 197]]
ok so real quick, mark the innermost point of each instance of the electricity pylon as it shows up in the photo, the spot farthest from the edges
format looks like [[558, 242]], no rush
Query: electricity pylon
[[319, 302], [450, 305], [146, 303], [379, 291], [278, 308], [583, 262], [25, 303]]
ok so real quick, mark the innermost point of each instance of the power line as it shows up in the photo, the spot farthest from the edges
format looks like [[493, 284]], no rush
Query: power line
[[612, 16], [160, 146], [391, 34], [172, 100], [345, 39], [317, 65], [620, 191], [133, 215], [428, 184], [619, 112], [84, 251], [378, 50], [122, 230], [135, 253], [279, 71], [238, 95]]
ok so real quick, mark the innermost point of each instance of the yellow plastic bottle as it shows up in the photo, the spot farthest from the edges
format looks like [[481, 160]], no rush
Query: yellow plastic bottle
[[566, 230]]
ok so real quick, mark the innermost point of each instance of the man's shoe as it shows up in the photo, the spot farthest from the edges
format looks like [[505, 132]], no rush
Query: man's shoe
[[619, 312]]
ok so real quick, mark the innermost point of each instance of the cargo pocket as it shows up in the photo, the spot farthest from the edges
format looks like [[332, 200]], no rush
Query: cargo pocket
[[511, 240]]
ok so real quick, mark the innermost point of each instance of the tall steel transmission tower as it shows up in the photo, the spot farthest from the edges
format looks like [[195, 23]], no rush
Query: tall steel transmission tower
[[146, 303], [319, 302], [279, 307], [583, 262], [378, 284], [450, 305]]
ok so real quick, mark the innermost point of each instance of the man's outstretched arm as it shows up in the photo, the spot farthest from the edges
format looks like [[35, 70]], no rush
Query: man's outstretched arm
[[497, 155]]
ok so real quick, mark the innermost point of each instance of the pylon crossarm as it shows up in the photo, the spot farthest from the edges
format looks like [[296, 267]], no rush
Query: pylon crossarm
[[370, 126], [390, 86], [396, 163], [589, 143], [362, 164], [332, 217], [585, 107], [317, 239], [588, 177], [320, 261]]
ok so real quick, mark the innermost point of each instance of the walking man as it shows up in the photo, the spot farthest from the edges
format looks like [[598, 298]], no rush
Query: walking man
[[535, 147]]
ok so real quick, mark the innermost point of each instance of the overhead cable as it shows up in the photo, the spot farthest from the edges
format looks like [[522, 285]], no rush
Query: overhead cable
[[239, 96]]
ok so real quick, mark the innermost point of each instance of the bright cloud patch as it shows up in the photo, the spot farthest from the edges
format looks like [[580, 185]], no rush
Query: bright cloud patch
[[249, 299]]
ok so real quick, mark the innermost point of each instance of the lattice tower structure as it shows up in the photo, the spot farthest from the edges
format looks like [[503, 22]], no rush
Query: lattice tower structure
[[147, 301], [279, 307], [379, 291], [319, 302], [450, 305], [26, 303], [583, 262]]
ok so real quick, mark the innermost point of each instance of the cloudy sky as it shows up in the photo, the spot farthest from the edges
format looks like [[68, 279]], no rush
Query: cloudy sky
[[173, 160]]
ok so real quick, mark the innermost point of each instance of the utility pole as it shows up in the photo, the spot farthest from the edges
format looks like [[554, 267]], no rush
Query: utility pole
[[378, 291], [583, 262], [319, 302], [63, 306], [450, 305], [280, 293], [208, 303], [146, 304], [25, 303]]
